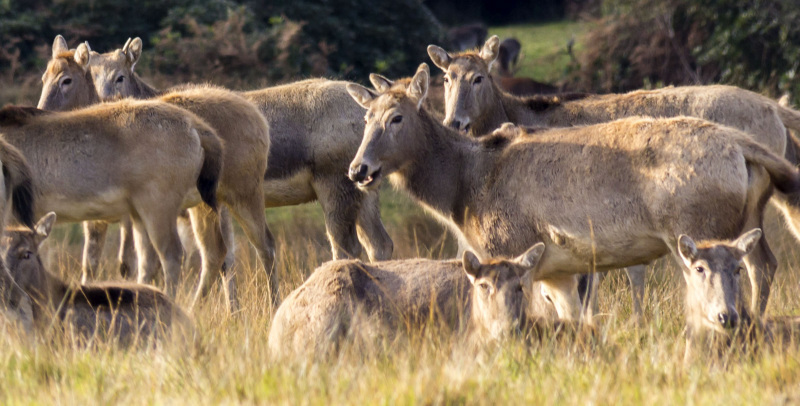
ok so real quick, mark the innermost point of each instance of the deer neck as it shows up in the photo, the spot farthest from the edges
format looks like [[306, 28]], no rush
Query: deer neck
[[143, 90], [445, 173]]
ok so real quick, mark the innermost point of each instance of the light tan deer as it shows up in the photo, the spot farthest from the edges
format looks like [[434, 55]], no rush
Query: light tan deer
[[315, 127], [716, 314], [352, 300], [146, 160], [600, 197], [125, 312], [239, 124], [475, 104]]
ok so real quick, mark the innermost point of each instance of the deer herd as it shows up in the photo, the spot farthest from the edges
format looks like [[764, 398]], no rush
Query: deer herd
[[538, 190]]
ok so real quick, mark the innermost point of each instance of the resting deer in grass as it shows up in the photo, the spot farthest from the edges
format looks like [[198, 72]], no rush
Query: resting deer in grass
[[126, 312], [475, 104], [716, 314], [352, 300], [146, 160], [239, 124], [315, 127], [600, 197]]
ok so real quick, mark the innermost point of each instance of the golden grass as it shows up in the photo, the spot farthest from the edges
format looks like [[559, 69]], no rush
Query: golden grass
[[623, 364]]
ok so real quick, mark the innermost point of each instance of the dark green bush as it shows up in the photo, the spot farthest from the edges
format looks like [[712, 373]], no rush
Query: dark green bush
[[344, 38], [754, 44]]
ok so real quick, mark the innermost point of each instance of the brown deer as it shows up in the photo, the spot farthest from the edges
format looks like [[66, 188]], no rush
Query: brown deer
[[109, 161], [600, 197], [353, 300], [126, 312], [314, 128], [239, 124], [475, 104]]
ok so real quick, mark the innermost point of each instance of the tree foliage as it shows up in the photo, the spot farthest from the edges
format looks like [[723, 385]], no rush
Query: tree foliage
[[754, 44], [344, 38]]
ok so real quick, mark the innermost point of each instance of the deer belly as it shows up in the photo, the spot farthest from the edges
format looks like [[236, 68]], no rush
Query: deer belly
[[572, 256], [110, 204]]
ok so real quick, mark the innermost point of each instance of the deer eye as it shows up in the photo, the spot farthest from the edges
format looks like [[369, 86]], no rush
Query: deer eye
[[446, 80], [397, 119], [120, 79], [25, 255], [485, 287], [477, 80], [548, 298], [699, 269], [66, 82]]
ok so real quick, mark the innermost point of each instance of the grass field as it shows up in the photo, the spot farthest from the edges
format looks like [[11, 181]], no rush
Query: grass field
[[544, 54], [624, 364]]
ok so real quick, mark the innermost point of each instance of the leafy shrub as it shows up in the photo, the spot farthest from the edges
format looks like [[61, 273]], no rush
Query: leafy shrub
[[754, 44]]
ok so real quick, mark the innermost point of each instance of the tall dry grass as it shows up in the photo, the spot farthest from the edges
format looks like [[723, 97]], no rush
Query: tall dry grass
[[623, 364]]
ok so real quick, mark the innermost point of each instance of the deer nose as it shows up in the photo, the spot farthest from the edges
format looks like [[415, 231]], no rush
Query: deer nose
[[728, 320], [456, 125], [358, 172]]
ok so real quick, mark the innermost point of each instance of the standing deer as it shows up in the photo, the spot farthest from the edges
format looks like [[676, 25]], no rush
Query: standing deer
[[146, 160], [315, 127], [475, 104], [239, 124], [600, 197]]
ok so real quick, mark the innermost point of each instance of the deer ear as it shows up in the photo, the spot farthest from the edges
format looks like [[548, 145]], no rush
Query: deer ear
[[687, 249], [361, 95], [132, 51], [59, 46], [490, 51], [82, 55], [439, 56], [418, 88], [380, 83], [44, 226], [531, 257], [747, 241], [472, 265]]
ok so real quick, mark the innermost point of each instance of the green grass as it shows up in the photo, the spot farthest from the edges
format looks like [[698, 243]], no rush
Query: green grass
[[544, 47]]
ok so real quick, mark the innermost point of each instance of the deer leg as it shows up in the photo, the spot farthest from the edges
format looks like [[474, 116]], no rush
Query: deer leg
[[146, 255], [340, 204], [127, 252], [94, 234], [208, 234], [636, 277], [371, 233], [161, 227], [249, 212]]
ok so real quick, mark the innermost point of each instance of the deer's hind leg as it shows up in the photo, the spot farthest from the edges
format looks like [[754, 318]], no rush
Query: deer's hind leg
[[157, 218], [340, 201], [213, 245], [249, 213], [761, 262]]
